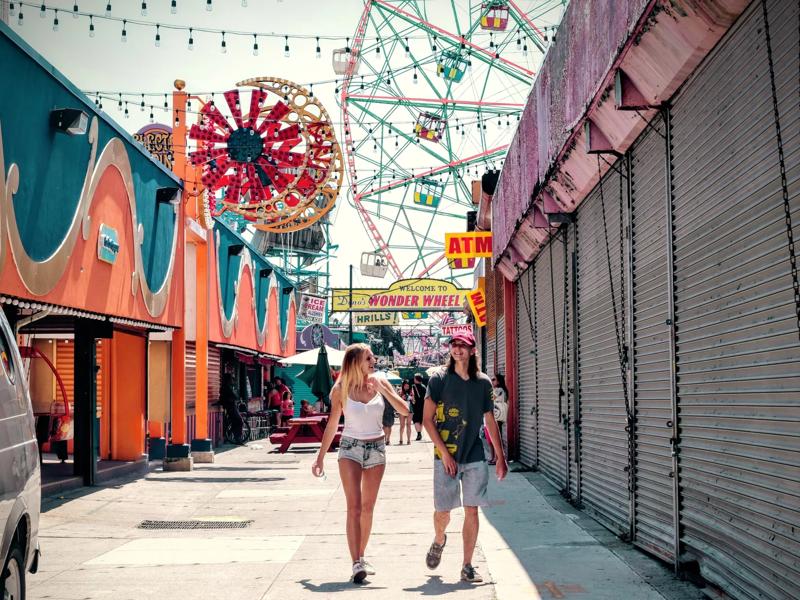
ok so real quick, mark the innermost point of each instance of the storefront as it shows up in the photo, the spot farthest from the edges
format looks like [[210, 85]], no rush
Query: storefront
[[654, 285], [90, 257]]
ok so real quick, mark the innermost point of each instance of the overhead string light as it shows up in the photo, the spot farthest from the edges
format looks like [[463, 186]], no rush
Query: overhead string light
[[223, 47], [144, 8], [91, 27], [318, 50], [75, 10], [42, 11], [173, 7], [20, 16], [209, 5], [191, 39], [255, 45], [158, 36], [108, 9], [124, 36], [55, 21], [286, 46]]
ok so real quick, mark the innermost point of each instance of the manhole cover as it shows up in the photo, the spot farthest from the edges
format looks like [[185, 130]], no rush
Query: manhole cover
[[202, 523]]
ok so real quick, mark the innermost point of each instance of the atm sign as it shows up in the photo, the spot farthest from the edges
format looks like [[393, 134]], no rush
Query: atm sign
[[471, 244]]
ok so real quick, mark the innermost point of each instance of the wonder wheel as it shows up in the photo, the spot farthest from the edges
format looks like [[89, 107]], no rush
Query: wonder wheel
[[430, 96], [277, 165]]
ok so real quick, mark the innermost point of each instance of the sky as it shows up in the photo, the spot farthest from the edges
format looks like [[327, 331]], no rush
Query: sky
[[103, 63]]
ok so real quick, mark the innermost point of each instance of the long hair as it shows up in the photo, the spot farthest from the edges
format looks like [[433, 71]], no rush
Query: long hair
[[501, 382], [405, 387], [472, 366], [350, 377]]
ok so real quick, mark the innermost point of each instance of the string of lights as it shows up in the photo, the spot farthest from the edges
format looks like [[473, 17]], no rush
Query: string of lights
[[17, 9]]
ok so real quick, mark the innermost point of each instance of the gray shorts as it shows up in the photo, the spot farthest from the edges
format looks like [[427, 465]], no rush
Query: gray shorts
[[469, 484], [368, 454]]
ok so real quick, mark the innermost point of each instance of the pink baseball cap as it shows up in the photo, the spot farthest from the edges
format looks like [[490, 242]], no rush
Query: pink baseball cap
[[464, 337]]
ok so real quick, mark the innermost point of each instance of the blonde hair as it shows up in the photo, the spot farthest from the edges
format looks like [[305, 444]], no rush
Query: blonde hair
[[351, 374]]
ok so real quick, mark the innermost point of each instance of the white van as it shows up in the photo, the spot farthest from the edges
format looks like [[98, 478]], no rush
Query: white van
[[20, 476]]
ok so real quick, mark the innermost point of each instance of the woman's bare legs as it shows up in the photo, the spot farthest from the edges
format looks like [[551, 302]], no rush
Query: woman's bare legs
[[370, 484], [408, 429], [351, 475]]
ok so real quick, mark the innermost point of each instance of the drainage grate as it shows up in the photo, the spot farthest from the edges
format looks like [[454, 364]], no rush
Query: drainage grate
[[210, 523]]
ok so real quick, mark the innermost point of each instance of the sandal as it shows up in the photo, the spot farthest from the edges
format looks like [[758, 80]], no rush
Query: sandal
[[434, 556]]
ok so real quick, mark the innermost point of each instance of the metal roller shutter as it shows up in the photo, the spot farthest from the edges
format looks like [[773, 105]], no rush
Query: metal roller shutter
[[572, 400], [737, 336], [190, 363], [214, 374], [500, 364], [654, 497], [604, 442], [526, 369], [551, 348]]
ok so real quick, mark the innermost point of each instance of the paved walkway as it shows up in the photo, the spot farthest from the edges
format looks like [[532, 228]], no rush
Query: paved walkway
[[531, 544]]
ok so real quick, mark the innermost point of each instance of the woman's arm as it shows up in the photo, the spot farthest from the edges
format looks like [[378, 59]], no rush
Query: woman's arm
[[330, 430], [387, 391]]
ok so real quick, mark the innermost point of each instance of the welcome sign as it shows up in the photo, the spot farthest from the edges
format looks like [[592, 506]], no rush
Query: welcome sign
[[407, 295]]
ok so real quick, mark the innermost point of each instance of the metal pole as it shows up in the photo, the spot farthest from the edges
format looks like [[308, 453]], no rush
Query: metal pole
[[628, 299], [350, 293], [673, 389]]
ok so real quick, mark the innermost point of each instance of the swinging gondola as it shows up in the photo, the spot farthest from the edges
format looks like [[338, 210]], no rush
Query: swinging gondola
[[452, 65], [430, 127], [428, 192], [374, 264], [495, 15]]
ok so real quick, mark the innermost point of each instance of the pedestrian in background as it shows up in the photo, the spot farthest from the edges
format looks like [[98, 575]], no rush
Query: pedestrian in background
[[359, 394], [500, 397], [287, 406], [405, 420], [418, 400], [458, 401]]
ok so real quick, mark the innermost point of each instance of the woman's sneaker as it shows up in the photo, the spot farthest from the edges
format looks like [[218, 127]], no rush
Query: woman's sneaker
[[469, 574], [359, 572], [367, 566]]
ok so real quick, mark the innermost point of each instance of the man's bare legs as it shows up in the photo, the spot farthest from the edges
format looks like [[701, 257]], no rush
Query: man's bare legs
[[469, 533], [440, 521]]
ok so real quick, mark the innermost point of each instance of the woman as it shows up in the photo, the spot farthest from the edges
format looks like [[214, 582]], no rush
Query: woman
[[287, 406], [229, 400], [405, 421], [500, 397], [359, 394]]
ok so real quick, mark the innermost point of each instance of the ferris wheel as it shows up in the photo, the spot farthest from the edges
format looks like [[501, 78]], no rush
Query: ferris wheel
[[430, 96]]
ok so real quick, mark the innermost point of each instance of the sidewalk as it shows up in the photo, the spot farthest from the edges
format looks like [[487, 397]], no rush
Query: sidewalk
[[531, 544]]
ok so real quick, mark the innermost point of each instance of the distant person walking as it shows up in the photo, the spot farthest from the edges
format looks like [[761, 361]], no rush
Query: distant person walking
[[418, 400], [405, 420], [458, 402], [500, 397], [359, 394]]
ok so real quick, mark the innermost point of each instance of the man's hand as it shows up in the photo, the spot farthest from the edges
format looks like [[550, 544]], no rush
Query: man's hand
[[449, 464], [501, 469]]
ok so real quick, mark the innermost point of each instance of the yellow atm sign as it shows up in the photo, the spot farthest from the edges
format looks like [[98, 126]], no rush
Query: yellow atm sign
[[471, 244]]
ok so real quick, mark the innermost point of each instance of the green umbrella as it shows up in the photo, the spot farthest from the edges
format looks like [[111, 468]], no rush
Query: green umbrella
[[322, 382]]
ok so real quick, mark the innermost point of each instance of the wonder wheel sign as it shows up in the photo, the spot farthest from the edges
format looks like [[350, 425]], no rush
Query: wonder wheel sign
[[272, 159]]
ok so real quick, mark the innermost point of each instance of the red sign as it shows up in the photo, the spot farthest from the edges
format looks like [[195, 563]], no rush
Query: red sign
[[472, 244], [451, 330], [477, 302]]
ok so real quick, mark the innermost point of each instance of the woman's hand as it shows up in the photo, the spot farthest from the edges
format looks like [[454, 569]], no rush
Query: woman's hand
[[317, 468]]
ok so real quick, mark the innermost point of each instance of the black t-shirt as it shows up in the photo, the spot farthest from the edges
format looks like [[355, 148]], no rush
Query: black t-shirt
[[460, 406], [418, 390]]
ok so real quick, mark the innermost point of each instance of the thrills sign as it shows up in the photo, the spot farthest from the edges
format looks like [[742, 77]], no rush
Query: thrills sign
[[472, 244], [408, 295], [376, 318], [477, 302]]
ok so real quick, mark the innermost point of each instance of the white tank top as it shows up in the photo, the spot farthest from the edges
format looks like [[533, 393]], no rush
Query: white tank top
[[363, 421]]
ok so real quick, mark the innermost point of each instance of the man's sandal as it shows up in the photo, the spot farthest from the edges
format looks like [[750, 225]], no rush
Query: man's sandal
[[434, 556]]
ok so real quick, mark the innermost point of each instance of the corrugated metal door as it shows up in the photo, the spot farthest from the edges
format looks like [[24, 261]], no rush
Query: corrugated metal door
[[214, 380], [654, 498], [604, 442], [65, 364], [190, 361], [526, 369], [738, 355], [552, 356]]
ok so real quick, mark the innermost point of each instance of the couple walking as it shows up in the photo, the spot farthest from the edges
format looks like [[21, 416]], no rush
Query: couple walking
[[457, 402]]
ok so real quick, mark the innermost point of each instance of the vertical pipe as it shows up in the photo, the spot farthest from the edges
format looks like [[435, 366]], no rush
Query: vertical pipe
[[510, 325], [576, 388], [628, 228], [350, 295], [201, 364], [673, 388]]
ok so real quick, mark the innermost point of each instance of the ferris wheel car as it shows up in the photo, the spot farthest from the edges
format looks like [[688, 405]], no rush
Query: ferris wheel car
[[373, 264], [20, 475], [428, 192], [496, 15], [430, 127]]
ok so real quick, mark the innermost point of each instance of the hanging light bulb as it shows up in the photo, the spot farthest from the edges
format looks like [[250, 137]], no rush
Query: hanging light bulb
[[42, 11], [318, 51], [377, 45], [223, 47], [11, 9], [209, 6], [191, 40], [124, 37], [347, 46], [255, 45], [408, 49], [415, 79], [141, 106], [434, 43], [158, 36], [91, 26], [152, 118], [173, 7], [311, 91], [166, 105], [20, 16], [127, 114], [491, 40], [55, 21], [144, 8], [119, 104], [108, 9], [75, 10], [286, 46]]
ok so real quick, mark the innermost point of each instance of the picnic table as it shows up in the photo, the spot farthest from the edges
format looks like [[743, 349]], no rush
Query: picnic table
[[304, 430]]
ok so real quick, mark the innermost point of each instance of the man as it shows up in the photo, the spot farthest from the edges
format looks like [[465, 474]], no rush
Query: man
[[418, 403], [458, 402]]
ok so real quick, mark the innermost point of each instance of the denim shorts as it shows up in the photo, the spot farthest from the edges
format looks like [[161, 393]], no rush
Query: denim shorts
[[367, 453], [469, 484]]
